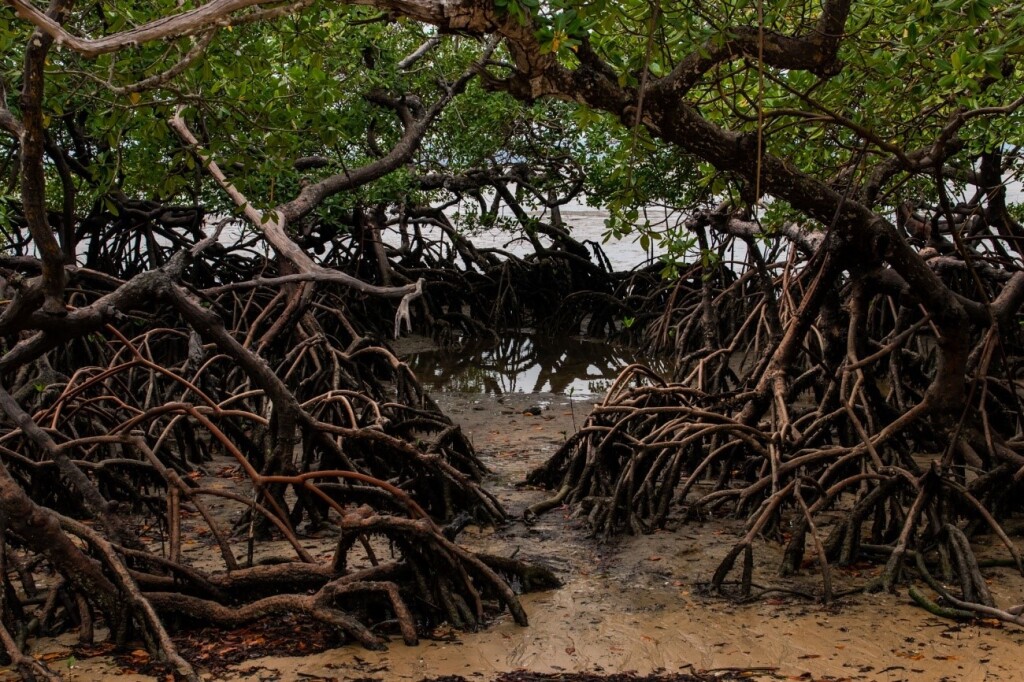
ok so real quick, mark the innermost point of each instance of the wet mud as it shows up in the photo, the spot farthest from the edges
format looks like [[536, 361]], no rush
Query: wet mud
[[635, 604]]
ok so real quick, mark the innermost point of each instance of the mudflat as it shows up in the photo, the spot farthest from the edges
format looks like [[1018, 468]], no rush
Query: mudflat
[[635, 604]]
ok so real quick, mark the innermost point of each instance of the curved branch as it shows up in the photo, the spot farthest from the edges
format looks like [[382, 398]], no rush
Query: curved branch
[[815, 51], [214, 13]]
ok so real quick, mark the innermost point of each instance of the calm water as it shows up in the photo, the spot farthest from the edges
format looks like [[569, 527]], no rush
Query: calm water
[[588, 227], [525, 364], [536, 364]]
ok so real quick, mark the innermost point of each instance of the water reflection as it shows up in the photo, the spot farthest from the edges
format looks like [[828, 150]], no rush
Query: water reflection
[[525, 364]]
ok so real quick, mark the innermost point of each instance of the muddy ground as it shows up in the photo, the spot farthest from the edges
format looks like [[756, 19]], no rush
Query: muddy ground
[[634, 604]]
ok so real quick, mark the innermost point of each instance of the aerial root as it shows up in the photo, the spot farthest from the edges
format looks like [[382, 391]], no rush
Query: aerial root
[[163, 429], [817, 405]]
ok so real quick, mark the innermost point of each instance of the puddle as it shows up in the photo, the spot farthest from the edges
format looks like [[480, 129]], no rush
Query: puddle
[[526, 364]]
